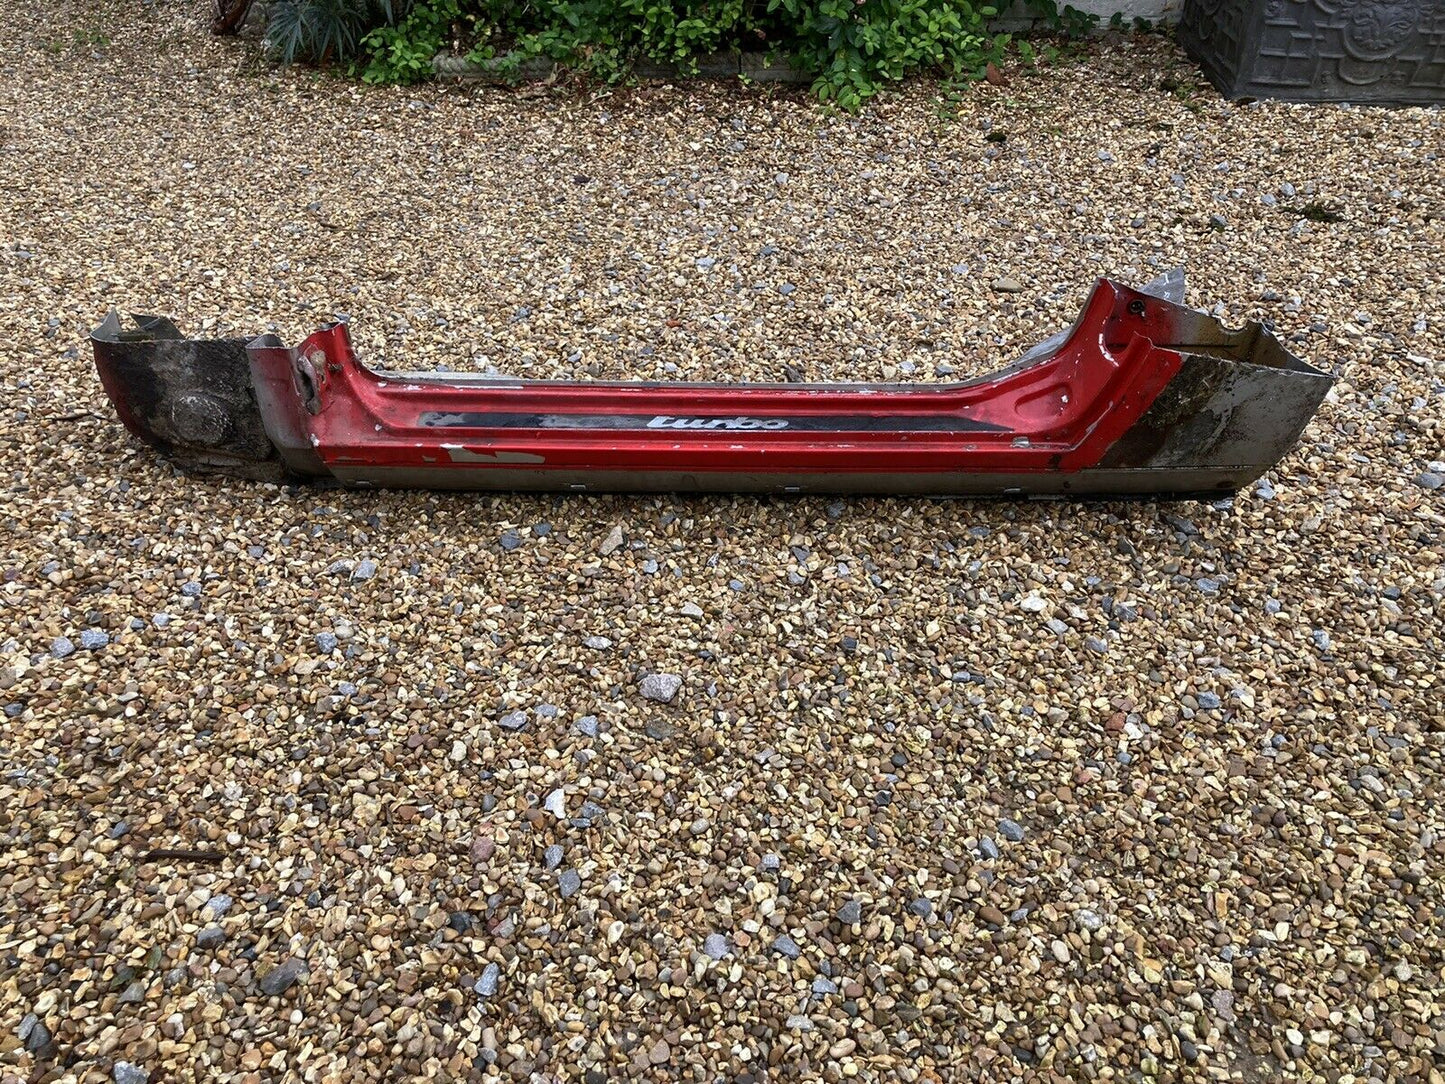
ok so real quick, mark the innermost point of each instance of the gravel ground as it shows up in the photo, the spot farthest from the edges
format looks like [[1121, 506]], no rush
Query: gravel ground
[[709, 789]]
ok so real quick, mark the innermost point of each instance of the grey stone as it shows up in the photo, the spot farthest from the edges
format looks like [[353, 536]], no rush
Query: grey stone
[[1008, 286], [94, 639], [715, 946], [823, 986], [1208, 701], [1429, 480], [124, 1072], [210, 937], [38, 1039], [660, 687], [364, 570], [922, 907], [1218, 222], [191, 589], [770, 863], [513, 720], [62, 647], [612, 542], [988, 848], [510, 540], [597, 643], [851, 913], [1090, 920], [486, 986], [282, 977], [799, 1022], [786, 288], [1011, 830], [552, 856], [27, 1025], [587, 725], [556, 803], [161, 620], [569, 883], [787, 946], [326, 642]]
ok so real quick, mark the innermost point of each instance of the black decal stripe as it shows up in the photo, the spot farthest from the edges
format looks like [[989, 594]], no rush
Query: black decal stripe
[[829, 423]]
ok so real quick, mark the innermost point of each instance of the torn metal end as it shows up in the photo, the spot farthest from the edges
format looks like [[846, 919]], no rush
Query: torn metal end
[[189, 398]]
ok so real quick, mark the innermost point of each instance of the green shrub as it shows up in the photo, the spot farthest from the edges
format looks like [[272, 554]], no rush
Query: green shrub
[[323, 31], [854, 47]]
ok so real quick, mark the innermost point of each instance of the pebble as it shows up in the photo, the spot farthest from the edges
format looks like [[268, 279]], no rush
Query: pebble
[[94, 639], [569, 883], [38, 1038], [62, 647], [486, 986], [612, 543], [124, 1072], [715, 946], [1008, 286], [787, 946], [326, 642], [364, 570], [556, 803], [660, 687], [1429, 480], [552, 857], [210, 937], [513, 720], [851, 913], [282, 977], [992, 915], [1012, 831]]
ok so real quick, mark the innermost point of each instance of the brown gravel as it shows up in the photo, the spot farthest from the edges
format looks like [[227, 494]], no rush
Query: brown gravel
[[233, 848]]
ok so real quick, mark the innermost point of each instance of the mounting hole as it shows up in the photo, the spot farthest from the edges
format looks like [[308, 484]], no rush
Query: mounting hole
[[1136, 307]]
